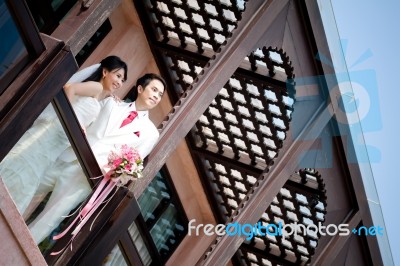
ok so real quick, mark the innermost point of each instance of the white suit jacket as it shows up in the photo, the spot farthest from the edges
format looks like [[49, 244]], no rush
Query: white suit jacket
[[105, 134]]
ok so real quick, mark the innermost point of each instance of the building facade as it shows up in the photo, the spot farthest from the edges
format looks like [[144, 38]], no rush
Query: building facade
[[254, 131]]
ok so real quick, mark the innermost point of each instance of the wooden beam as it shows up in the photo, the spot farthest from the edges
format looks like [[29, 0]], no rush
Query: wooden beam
[[80, 24], [334, 246], [266, 188], [18, 247], [257, 18]]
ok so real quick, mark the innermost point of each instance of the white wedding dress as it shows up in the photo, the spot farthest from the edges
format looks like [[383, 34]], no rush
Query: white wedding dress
[[38, 149]]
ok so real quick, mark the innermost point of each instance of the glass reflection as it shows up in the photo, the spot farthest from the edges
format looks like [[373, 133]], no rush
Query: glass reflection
[[33, 154], [164, 231], [115, 258], [31, 172], [139, 244], [166, 224], [12, 47]]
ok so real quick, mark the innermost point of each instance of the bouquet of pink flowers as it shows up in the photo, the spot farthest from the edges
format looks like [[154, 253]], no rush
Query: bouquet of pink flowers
[[125, 165]]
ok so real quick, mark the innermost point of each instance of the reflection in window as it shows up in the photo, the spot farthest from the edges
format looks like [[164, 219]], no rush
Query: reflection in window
[[12, 48], [115, 258], [140, 244], [163, 215], [34, 153], [45, 183]]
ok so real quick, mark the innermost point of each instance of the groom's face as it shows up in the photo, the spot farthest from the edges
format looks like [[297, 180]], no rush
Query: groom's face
[[150, 96]]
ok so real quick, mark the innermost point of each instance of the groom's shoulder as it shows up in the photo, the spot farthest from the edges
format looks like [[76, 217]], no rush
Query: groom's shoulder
[[151, 128]]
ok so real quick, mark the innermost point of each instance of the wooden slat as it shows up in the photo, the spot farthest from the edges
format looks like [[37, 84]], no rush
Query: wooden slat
[[80, 25], [19, 247], [334, 247]]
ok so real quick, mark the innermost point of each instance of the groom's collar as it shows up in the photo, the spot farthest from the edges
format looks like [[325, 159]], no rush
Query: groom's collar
[[140, 113]]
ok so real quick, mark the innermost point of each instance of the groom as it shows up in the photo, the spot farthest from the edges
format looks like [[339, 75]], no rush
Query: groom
[[106, 133]]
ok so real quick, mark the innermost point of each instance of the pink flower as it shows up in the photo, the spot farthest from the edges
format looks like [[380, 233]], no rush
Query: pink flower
[[125, 165], [117, 162], [112, 156]]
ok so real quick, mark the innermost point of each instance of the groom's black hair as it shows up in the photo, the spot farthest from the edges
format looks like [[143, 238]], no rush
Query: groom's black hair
[[144, 81], [110, 63]]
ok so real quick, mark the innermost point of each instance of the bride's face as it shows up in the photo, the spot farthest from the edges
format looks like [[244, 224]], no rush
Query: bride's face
[[113, 80], [150, 96]]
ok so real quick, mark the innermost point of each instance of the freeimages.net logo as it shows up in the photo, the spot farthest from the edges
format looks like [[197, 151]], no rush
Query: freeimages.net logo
[[284, 230]]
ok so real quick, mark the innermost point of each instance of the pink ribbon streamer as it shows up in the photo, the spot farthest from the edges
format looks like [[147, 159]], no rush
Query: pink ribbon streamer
[[104, 188]]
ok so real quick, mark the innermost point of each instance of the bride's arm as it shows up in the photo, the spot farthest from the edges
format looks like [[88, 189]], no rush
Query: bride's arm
[[88, 88], [75, 86]]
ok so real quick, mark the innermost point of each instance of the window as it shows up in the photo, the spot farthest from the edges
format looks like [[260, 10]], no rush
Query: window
[[13, 51], [158, 230], [94, 41], [163, 216], [48, 14]]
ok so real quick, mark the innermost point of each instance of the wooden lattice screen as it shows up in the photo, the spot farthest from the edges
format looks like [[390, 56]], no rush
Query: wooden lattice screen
[[243, 129], [302, 201], [198, 25]]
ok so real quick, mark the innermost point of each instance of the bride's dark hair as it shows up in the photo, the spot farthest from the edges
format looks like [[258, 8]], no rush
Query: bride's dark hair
[[144, 81], [110, 63]]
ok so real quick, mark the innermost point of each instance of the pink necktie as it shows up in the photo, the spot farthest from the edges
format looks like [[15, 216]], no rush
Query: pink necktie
[[132, 115]]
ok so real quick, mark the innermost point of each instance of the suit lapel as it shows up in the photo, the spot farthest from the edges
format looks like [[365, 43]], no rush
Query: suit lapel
[[132, 127], [117, 115]]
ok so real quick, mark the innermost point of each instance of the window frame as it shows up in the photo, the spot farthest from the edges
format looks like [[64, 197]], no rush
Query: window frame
[[30, 36]]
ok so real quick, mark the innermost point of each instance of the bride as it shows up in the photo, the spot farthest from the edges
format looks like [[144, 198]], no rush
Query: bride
[[24, 166]]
